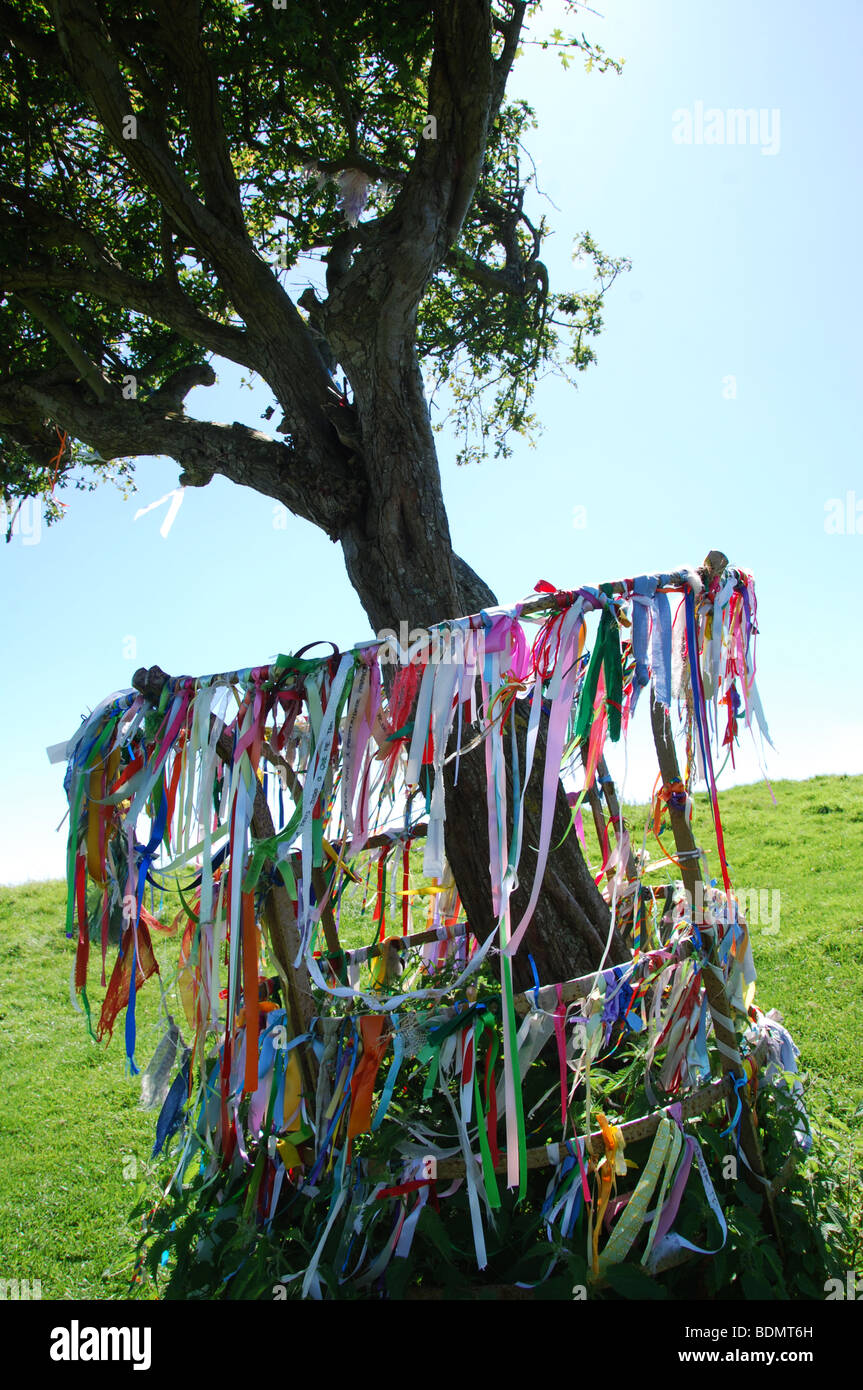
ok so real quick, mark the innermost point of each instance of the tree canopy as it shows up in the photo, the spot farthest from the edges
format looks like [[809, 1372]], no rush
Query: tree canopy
[[164, 169]]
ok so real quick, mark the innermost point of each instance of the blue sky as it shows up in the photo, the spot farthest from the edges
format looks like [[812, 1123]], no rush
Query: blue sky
[[723, 412]]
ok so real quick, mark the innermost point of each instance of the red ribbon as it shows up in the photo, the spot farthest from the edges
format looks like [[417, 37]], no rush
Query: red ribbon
[[405, 1187]]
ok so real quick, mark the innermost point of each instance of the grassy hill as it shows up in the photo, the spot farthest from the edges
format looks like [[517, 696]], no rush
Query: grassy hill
[[74, 1146]]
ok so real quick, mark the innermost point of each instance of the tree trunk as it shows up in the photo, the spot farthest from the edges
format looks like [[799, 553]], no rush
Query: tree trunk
[[400, 560]]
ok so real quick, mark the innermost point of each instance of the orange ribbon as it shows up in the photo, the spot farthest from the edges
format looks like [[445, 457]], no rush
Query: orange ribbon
[[605, 1174], [661, 801], [363, 1081]]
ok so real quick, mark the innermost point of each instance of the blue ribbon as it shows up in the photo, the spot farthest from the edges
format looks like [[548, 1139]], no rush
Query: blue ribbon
[[660, 649], [171, 1115], [319, 1165], [535, 981], [645, 587], [387, 1092], [739, 1083]]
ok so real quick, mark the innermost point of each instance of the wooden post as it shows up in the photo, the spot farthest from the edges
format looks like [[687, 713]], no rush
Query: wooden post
[[595, 804], [714, 982], [292, 781], [609, 791], [285, 939]]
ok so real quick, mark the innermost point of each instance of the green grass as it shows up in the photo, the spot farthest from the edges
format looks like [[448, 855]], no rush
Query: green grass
[[808, 848], [74, 1146]]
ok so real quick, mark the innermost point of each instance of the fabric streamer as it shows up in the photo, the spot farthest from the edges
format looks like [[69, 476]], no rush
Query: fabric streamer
[[282, 1078]]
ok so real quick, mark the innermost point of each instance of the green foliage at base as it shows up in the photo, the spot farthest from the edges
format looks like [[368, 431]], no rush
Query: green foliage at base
[[215, 1250]]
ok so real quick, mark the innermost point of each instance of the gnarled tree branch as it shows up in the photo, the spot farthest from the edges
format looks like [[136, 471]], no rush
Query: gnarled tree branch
[[180, 33], [118, 428], [153, 298], [89, 371]]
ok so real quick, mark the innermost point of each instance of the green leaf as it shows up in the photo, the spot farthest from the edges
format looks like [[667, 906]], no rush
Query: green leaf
[[397, 1275], [432, 1228], [631, 1282], [756, 1286], [749, 1197]]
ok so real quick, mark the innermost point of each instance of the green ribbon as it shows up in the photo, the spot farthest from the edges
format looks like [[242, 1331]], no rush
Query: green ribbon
[[483, 1021], [301, 666], [80, 784], [437, 1036], [512, 1047], [605, 654], [85, 1001]]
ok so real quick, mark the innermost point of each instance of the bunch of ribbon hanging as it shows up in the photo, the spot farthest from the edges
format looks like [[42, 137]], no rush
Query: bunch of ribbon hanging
[[190, 761]]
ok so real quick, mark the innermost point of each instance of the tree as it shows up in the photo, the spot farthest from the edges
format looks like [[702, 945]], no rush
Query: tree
[[163, 166]]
